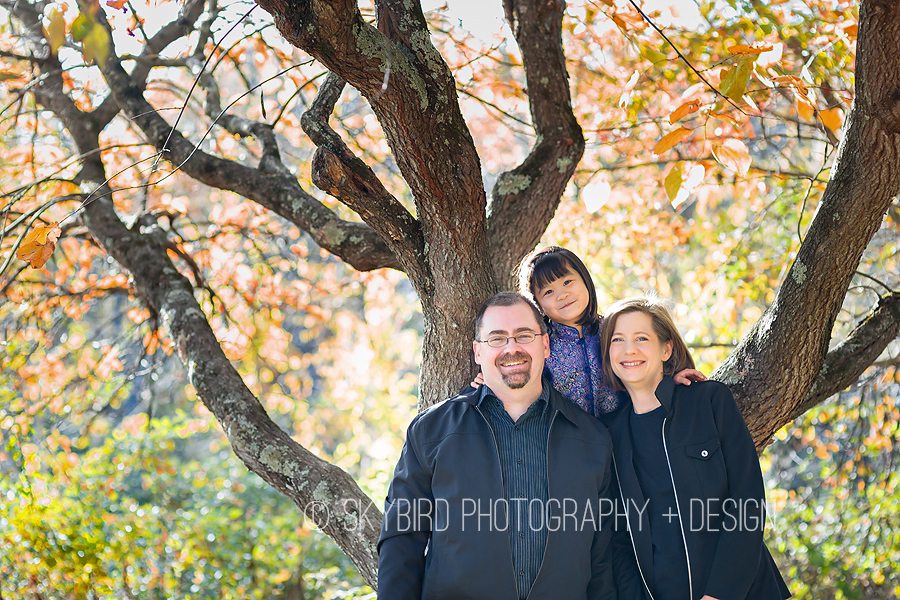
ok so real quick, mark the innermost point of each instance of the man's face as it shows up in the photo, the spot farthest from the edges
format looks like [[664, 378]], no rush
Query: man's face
[[512, 365]]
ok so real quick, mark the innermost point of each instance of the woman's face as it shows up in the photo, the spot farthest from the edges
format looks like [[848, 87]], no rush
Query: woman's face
[[636, 353], [564, 300]]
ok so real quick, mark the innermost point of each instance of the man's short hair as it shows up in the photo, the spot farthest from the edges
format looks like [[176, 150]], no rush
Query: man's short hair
[[508, 299]]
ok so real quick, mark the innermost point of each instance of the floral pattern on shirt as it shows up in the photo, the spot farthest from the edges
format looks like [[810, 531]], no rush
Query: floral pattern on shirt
[[575, 368]]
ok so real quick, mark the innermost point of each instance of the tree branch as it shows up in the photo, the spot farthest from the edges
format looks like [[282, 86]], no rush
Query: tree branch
[[525, 199], [149, 58], [327, 494], [337, 171], [776, 365], [270, 162], [355, 243], [845, 363]]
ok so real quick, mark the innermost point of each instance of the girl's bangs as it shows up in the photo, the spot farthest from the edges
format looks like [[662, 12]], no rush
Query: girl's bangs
[[548, 269]]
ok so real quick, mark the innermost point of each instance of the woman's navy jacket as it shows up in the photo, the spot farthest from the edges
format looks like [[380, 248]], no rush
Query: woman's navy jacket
[[444, 537], [720, 495]]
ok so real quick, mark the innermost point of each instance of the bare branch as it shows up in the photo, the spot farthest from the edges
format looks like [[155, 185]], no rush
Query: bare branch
[[355, 243], [270, 162], [149, 58], [524, 199]]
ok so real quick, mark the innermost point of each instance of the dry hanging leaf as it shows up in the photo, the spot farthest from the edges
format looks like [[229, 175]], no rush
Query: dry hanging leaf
[[117, 4], [670, 139], [684, 110], [56, 29], [754, 48], [39, 244], [734, 155]]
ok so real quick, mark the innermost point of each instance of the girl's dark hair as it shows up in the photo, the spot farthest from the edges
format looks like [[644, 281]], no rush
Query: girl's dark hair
[[549, 264], [663, 326]]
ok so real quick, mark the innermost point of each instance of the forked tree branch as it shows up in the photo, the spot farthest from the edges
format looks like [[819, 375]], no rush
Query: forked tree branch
[[326, 493], [525, 199], [336, 170]]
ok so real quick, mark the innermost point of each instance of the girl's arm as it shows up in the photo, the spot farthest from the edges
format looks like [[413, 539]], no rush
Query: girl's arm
[[686, 376]]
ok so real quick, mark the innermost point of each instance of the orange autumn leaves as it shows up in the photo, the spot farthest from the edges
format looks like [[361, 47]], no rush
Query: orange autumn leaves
[[38, 244]]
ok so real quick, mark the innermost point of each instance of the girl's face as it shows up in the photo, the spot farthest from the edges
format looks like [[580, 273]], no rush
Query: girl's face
[[636, 352], [564, 300]]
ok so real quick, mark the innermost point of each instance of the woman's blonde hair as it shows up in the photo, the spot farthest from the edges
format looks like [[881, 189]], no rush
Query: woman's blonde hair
[[663, 327]]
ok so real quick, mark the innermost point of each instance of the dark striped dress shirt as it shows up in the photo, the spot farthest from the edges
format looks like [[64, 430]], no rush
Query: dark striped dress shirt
[[522, 447]]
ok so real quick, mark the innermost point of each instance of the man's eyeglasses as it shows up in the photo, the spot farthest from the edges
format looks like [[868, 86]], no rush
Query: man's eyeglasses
[[498, 341]]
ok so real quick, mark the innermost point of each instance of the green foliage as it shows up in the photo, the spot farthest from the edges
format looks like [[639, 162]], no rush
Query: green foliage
[[138, 517], [835, 523]]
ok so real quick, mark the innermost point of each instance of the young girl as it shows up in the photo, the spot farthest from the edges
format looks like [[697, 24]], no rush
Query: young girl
[[686, 467], [560, 284]]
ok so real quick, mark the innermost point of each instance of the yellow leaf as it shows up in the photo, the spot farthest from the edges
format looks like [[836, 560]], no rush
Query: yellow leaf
[[832, 118], [754, 48], [670, 139], [56, 28], [95, 46], [673, 181], [734, 82], [684, 110], [805, 109], [733, 154], [39, 244]]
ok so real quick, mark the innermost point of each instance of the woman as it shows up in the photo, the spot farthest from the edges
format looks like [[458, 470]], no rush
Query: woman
[[686, 469]]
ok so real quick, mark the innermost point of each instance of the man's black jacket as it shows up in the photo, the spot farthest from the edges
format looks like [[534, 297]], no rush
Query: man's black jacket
[[447, 497]]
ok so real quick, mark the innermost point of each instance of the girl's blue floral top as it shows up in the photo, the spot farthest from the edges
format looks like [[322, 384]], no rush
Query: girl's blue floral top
[[576, 369]]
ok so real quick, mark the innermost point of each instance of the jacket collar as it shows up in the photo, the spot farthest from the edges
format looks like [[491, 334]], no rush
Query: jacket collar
[[557, 402], [561, 331], [664, 392]]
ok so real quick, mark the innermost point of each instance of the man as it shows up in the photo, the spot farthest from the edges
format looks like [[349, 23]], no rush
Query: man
[[499, 491]]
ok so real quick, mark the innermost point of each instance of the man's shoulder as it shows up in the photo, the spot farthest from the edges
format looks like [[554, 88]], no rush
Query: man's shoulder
[[443, 412]]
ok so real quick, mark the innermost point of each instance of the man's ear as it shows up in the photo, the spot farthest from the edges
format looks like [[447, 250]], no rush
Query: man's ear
[[476, 349], [545, 341]]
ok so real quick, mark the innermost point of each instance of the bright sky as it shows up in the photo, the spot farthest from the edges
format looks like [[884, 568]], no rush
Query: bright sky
[[484, 18]]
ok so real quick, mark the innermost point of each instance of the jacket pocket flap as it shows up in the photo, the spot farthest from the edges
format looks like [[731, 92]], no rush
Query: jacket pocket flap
[[703, 450]]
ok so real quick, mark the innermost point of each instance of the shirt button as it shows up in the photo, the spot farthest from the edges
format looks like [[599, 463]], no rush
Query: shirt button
[[521, 573], [521, 534], [519, 461], [704, 454]]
